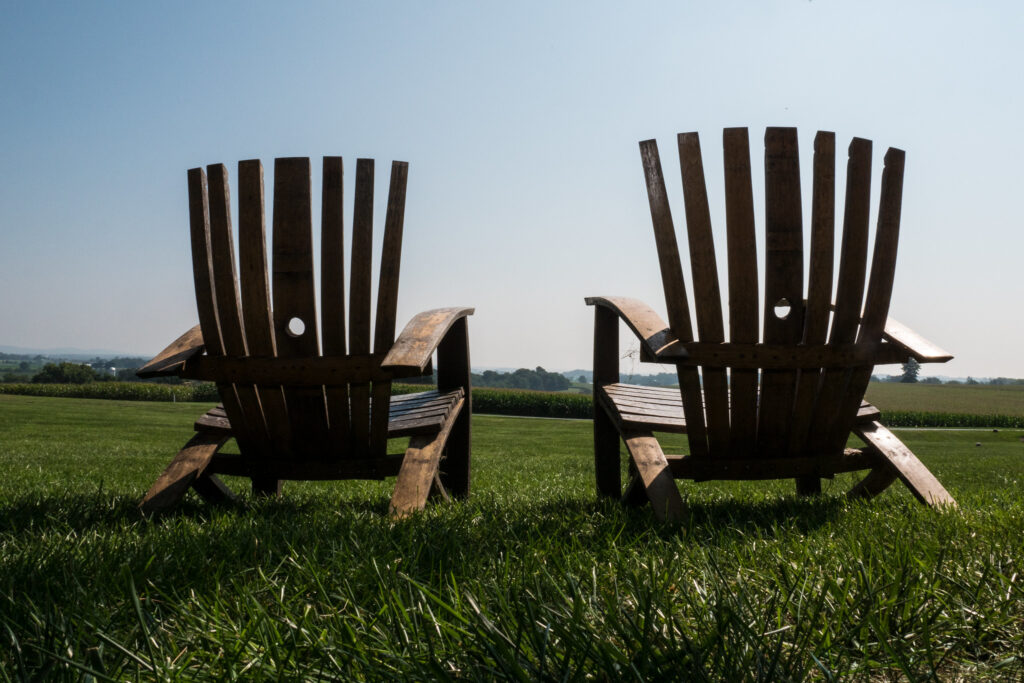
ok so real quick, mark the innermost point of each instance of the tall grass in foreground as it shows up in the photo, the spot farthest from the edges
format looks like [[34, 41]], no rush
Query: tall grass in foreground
[[530, 579]]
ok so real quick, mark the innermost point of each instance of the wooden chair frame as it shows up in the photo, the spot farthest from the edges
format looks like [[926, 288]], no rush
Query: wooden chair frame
[[300, 410], [773, 403]]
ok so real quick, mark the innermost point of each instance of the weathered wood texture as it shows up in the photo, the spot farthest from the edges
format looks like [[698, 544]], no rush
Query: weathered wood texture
[[779, 401], [675, 290], [296, 410], [743, 285]]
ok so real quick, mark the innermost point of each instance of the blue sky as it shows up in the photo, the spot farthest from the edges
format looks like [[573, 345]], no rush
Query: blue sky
[[520, 122]]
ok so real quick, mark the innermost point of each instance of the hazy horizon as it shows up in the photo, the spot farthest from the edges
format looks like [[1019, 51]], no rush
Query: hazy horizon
[[520, 123]]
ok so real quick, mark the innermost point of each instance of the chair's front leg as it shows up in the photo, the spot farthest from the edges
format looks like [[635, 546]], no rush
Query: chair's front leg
[[453, 371], [606, 435]]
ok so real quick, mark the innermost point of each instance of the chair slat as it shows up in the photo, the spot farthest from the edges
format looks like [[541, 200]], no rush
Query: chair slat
[[387, 300], [202, 264], [849, 288], [206, 302], [743, 284], [707, 299], [229, 314], [879, 294], [675, 292], [783, 283], [359, 298], [819, 285], [255, 286], [295, 297], [332, 293]]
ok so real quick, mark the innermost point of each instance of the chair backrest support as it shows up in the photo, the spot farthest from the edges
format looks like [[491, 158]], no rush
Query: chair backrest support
[[792, 411], [301, 422]]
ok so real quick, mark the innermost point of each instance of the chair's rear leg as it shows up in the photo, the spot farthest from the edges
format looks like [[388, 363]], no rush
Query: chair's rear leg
[[906, 466], [419, 470], [264, 486], [453, 371], [655, 475], [184, 470], [213, 489], [877, 480], [437, 489], [635, 495], [607, 467], [456, 475]]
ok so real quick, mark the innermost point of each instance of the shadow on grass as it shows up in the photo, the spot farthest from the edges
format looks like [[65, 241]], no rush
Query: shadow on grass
[[456, 538]]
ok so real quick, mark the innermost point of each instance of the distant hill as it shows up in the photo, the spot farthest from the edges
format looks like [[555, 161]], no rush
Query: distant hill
[[65, 353]]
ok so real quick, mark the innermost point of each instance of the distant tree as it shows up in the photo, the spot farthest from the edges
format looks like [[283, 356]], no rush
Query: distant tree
[[971, 380], [65, 373], [910, 371], [582, 379], [931, 380]]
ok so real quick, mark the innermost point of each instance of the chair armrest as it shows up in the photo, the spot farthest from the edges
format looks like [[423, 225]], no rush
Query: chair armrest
[[913, 343], [416, 344], [171, 360], [654, 333]]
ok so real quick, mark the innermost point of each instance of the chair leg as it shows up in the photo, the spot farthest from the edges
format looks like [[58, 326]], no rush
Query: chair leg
[[453, 371], [808, 486], [456, 475], [876, 481], [905, 465], [656, 475], [213, 490], [265, 486], [186, 467], [418, 472], [606, 454]]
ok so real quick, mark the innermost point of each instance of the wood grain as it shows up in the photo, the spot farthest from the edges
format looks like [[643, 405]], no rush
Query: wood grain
[[176, 479], [849, 288], [914, 344], [172, 359], [416, 344], [255, 286], [332, 294], [294, 297], [783, 283], [707, 299], [910, 470], [359, 300], [656, 476], [387, 300], [880, 283], [419, 467], [743, 285], [229, 312], [819, 288], [675, 291]]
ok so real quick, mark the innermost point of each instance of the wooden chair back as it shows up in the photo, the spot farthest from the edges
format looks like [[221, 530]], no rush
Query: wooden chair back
[[792, 386], [295, 386]]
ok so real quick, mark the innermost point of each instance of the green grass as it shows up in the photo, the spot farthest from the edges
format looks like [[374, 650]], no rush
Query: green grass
[[974, 399], [530, 579]]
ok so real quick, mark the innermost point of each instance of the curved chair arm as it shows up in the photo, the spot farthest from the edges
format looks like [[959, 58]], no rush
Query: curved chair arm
[[416, 344], [171, 360], [914, 344], [654, 333]]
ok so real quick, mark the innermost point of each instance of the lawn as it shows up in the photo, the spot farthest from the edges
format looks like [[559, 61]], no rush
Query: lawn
[[974, 399], [530, 579]]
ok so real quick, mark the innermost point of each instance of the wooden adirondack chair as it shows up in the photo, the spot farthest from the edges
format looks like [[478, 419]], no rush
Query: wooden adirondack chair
[[780, 403], [297, 413]]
